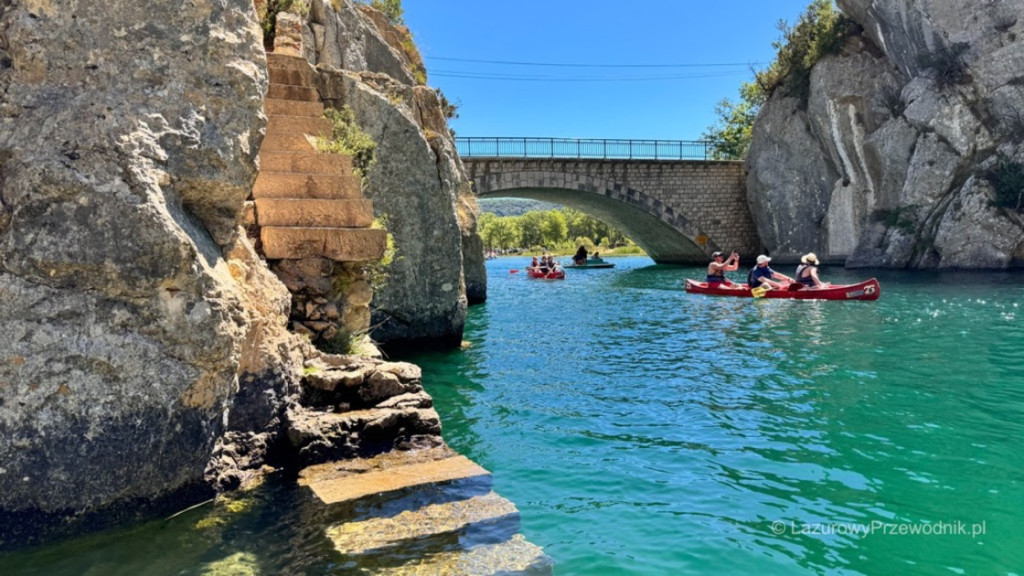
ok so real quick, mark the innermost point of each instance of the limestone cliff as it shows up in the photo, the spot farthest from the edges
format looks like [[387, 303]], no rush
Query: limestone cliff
[[417, 183], [885, 164], [144, 356], [128, 134]]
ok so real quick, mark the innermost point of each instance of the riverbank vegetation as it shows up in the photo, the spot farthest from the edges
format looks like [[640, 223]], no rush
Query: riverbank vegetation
[[821, 31], [558, 231]]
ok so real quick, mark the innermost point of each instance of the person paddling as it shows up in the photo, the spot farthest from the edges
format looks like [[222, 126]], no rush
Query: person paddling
[[761, 276], [807, 271]]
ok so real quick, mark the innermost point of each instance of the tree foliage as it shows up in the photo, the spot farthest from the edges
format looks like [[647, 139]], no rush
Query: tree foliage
[[821, 30], [390, 8], [349, 139], [546, 229], [730, 136], [1007, 180]]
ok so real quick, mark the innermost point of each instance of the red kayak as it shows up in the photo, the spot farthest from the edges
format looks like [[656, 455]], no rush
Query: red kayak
[[867, 290], [551, 275]]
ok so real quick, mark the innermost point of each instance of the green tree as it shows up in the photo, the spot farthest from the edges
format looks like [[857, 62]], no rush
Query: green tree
[[531, 224], [500, 232], [554, 228], [821, 30], [730, 136]]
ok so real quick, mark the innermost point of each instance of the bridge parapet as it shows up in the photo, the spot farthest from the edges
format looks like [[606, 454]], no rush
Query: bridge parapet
[[580, 148], [679, 211]]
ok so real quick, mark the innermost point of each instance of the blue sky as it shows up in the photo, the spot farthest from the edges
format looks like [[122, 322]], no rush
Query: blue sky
[[633, 85]]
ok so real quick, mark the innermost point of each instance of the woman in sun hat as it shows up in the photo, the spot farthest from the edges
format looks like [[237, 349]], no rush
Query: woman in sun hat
[[807, 271]]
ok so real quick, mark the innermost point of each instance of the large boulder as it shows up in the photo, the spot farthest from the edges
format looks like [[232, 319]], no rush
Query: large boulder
[[127, 140]]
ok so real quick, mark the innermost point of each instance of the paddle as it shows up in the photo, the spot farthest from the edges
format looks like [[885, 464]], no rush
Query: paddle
[[758, 292]]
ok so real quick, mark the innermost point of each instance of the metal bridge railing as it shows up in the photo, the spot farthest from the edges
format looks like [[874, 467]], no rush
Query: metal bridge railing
[[606, 149]]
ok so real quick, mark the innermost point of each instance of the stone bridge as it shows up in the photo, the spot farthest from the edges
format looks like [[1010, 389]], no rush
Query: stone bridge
[[678, 211]]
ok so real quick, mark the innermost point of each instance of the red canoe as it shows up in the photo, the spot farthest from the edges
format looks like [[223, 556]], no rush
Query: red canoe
[[552, 275], [867, 290]]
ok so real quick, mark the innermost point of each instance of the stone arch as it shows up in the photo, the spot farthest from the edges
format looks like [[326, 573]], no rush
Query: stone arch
[[667, 235]]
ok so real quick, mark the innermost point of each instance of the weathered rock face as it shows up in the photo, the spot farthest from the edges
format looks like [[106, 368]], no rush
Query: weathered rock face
[[127, 137], [417, 184], [884, 166]]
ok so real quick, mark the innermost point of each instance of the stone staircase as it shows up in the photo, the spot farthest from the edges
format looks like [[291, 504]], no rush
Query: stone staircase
[[422, 512], [307, 204], [398, 501]]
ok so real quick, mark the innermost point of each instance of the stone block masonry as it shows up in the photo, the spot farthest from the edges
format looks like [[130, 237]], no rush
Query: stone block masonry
[[309, 212], [679, 211]]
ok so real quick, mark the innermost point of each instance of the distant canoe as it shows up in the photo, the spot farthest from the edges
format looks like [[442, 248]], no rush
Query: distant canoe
[[591, 263], [558, 274], [866, 290]]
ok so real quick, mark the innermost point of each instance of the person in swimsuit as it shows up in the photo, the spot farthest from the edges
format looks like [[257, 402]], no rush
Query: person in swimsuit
[[719, 266]]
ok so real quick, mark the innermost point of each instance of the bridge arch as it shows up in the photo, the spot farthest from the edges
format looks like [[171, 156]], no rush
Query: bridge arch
[[678, 211]]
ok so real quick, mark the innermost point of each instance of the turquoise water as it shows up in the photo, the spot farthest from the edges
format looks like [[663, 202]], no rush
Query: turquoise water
[[643, 430]]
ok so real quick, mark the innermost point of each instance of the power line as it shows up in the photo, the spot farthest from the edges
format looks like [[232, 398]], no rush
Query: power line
[[567, 65], [550, 78]]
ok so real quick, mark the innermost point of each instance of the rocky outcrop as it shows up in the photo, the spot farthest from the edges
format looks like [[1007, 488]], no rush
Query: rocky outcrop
[[144, 352], [127, 139], [417, 184], [884, 165]]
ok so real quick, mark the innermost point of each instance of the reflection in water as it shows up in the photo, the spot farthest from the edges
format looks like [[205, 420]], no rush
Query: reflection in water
[[692, 424]]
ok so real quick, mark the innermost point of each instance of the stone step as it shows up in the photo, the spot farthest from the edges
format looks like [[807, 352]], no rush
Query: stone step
[[352, 480], [306, 162], [301, 77], [366, 536], [356, 213], [513, 556], [273, 106], [298, 93], [287, 62], [281, 124], [339, 244], [299, 185], [293, 142]]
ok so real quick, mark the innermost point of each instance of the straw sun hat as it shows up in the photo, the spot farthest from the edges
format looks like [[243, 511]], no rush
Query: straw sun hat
[[809, 258]]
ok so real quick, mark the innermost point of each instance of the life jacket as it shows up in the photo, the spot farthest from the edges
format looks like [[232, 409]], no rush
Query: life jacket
[[805, 280]]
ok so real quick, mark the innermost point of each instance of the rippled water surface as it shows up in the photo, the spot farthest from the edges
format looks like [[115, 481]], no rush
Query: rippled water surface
[[642, 430]]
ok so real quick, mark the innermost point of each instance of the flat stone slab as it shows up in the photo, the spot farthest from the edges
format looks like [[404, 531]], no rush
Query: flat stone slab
[[289, 92], [306, 162], [367, 535], [299, 185], [513, 556], [312, 125], [344, 484], [339, 244], [292, 77], [287, 62], [356, 213], [274, 106], [287, 142]]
